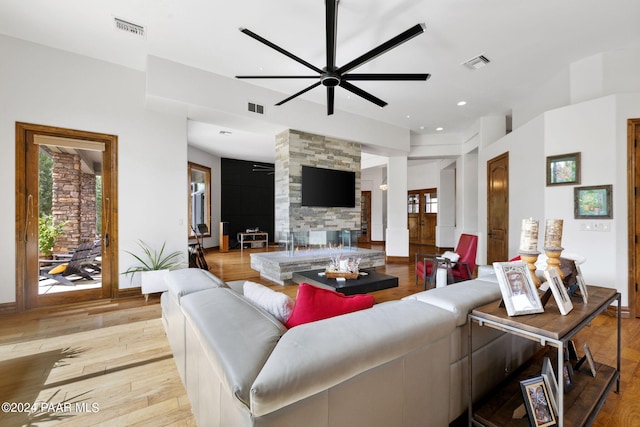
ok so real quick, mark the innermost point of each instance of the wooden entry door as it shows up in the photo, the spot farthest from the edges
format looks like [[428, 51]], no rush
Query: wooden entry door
[[498, 209], [29, 142], [422, 210]]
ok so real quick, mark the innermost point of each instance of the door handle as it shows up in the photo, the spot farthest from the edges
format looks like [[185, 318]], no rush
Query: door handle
[[29, 217]]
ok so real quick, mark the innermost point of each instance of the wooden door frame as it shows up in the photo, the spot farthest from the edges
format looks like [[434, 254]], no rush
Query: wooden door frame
[[633, 208], [24, 226]]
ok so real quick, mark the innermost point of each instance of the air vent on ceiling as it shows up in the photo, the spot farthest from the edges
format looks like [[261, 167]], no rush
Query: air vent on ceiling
[[477, 62], [131, 28], [256, 108]]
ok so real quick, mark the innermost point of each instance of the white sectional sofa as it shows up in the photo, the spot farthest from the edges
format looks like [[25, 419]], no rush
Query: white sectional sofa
[[399, 363]]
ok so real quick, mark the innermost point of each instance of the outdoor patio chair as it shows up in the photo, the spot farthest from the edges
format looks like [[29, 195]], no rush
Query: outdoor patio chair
[[83, 258]]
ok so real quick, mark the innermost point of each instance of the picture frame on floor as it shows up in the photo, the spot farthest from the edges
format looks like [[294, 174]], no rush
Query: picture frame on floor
[[537, 402], [519, 292]]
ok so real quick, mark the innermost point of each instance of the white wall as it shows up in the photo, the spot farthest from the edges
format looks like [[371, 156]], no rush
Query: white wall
[[526, 181], [51, 87], [597, 129]]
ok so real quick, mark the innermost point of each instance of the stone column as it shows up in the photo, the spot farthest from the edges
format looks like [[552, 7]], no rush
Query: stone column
[[66, 200]]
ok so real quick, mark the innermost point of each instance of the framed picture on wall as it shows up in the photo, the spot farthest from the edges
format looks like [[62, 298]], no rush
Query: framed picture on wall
[[563, 169], [593, 202]]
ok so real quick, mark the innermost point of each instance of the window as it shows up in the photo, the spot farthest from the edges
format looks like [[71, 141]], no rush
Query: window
[[431, 202]]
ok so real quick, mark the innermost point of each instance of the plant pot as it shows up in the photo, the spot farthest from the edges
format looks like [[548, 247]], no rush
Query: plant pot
[[153, 281]]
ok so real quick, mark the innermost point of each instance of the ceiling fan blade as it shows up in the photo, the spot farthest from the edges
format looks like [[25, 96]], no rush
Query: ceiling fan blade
[[384, 47], [276, 77], [386, 77], [366, 95], [332, 30], [330, 99], [307, 89], [281, 50]]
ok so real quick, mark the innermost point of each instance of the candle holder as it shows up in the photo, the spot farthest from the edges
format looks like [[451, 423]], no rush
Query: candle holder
[[553, 260], [530, 257]]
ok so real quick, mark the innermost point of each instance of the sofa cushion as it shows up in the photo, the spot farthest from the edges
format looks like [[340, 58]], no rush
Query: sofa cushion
[[460, 298], [236, 337], [188, 280], [278, 304], [314, 303]]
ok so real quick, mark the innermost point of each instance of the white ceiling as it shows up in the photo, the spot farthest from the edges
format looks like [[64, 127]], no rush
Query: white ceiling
[[528, 42]]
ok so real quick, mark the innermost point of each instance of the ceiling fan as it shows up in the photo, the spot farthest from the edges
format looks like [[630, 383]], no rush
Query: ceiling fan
[[332, 75]]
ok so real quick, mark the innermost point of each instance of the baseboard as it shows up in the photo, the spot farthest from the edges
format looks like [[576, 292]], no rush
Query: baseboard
[[398, 259], [128, 293], [612, 311], [8, 307]]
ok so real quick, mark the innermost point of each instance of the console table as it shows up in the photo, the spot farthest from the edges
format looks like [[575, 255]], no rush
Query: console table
[[254, 237], [553, 329]]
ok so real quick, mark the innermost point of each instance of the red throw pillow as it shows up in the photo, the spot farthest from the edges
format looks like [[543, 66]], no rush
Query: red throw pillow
[[313, 303]]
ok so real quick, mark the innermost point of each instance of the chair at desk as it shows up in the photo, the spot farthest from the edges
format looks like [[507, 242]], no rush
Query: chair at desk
[[459, 264]]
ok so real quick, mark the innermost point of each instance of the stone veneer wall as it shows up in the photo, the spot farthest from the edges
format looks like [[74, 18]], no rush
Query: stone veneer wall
[[74, 201], [295, 149]]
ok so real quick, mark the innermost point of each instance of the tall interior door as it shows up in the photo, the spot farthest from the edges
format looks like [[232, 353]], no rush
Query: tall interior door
[[498, 208], [633, 196], [75, 172]]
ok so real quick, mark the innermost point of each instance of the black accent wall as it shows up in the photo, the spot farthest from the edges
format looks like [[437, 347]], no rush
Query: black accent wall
[[248, 198]]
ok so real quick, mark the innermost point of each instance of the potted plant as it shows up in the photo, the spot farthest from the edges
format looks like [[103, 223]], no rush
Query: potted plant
[[153, 265]]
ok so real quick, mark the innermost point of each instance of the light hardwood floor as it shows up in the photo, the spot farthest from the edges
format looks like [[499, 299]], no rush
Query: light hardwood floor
[[109, 363]]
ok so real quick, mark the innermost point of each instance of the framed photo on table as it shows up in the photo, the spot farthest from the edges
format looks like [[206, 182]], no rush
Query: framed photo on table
[[537, 402], [559, 291], [582, 285], [519, 293], [593, 202], [563, 169]]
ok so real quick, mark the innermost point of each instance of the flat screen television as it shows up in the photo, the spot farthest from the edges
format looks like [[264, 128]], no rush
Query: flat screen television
[[328, 187]]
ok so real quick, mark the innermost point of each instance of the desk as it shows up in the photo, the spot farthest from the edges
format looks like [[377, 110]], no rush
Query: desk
[[253, 238]]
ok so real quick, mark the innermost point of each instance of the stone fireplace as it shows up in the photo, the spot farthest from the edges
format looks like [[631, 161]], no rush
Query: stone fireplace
[[308, 236], [295, 149]]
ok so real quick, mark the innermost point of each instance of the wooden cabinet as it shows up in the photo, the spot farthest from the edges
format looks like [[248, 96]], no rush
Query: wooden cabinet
[[422, 209]]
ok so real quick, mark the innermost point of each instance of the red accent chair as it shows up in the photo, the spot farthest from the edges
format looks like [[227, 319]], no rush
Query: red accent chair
[[458, 271]]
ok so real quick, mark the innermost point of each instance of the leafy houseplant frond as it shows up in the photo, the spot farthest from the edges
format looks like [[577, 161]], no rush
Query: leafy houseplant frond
[[152, 259]]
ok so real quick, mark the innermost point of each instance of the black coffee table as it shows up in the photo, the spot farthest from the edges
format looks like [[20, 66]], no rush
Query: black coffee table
[[372, 281]]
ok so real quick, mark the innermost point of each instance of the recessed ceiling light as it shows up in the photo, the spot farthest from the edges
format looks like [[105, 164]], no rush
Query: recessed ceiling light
[[461, 103], [408, 116], [439, 129], [421, 127]]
